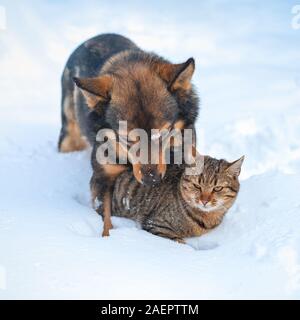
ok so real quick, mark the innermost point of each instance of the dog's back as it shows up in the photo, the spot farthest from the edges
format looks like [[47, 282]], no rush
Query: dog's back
[[86, 61]]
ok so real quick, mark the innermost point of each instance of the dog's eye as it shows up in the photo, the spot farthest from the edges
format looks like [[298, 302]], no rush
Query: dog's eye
[[218, 189]]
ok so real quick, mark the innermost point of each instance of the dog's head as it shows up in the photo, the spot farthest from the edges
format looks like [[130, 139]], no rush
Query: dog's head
[[147, 95]]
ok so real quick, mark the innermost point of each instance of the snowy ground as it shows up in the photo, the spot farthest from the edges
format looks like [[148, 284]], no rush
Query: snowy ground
[[248, 75]]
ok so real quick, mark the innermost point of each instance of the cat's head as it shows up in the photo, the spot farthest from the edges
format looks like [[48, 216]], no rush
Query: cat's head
[[215, 188]]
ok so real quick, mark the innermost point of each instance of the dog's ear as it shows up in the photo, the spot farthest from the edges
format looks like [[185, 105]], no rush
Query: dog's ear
[[177, 76], [95, 89]]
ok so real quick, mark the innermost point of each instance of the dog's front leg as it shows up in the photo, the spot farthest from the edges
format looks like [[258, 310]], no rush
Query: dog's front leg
[[101, 189], [107, 224], [112, 171], [102, 186]]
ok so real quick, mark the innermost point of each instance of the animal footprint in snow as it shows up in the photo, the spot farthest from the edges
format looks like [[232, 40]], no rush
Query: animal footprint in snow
[[82, 199], [84, 228], [200, 244]]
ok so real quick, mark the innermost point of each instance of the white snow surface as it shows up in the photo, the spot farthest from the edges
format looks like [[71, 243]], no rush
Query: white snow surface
[[248, 77]]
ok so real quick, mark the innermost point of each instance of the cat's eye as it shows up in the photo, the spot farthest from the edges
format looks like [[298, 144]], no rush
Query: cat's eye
[[197, 186], [218, 189]]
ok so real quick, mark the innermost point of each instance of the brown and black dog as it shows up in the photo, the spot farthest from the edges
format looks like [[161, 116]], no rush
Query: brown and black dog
[[117, 81]]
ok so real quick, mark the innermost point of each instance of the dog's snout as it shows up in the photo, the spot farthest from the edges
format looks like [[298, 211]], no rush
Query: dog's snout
[[147, 180], [150, 176]]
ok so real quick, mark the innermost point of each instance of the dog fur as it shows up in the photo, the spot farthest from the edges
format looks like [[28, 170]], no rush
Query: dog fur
[[109, 79]]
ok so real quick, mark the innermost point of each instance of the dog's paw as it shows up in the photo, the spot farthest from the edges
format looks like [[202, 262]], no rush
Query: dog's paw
[[105, 233]]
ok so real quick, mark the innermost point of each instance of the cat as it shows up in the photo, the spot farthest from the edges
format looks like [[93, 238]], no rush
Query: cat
[[182, 205]]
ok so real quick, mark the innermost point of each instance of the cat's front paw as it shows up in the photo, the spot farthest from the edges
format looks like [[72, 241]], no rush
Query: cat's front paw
[[179, 240], [99, 210]]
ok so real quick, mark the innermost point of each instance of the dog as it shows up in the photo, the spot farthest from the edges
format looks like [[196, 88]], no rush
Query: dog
[[109, 79]]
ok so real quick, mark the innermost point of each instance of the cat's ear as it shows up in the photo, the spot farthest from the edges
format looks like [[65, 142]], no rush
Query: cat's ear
[[234, 168], [95, 89], [177, 76], [194, 162]]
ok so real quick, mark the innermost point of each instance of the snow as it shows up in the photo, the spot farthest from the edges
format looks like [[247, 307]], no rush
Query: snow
[[247, 74]]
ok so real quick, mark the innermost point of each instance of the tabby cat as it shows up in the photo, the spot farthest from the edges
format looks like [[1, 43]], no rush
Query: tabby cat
[[182, 205]]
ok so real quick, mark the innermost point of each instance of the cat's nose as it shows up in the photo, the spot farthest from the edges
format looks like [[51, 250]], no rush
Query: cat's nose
[[204, 202]]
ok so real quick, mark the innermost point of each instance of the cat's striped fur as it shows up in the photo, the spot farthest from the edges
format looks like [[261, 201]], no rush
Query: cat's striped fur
[[181, 205]]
